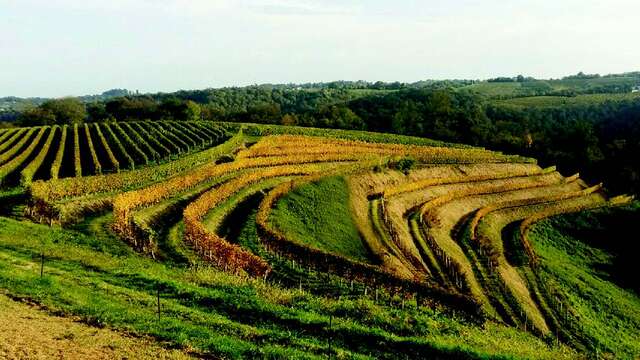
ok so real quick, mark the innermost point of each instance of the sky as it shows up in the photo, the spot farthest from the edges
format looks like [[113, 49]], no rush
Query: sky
[[54, 48]]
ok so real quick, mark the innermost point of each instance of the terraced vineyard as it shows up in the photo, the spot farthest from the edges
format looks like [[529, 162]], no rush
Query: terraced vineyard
[[340, 216]]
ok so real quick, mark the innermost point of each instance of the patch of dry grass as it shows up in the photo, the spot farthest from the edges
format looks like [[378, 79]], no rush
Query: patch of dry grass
[[448, 215], [30, 333]]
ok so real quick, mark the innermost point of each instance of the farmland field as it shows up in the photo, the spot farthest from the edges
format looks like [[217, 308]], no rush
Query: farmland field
[[94, 149], [262, 241], [611, 86], [589, 99]]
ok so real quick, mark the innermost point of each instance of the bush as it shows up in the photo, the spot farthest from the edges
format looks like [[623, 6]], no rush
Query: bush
[[227, 158], [405, 164]]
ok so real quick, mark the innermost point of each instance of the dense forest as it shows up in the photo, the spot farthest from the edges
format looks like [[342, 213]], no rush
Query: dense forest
[[599, 134]]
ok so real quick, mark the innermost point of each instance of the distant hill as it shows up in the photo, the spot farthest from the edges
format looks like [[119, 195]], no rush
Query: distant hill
[[17, 104], [578, 84], [496, 88]]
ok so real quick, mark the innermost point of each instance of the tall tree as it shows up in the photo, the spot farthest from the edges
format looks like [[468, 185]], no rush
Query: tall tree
[[66, 110]]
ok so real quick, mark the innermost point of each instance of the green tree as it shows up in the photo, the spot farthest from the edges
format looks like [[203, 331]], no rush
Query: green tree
[[407, 119], [264, 112], [65, 110], [36, 116], [181, 110], [192, 111], [212, 112], [289, 119], [97, 112], [132, 108]]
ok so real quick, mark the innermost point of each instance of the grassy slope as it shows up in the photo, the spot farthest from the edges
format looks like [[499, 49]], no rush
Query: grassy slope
[[607, 313], [318, 215], [100, 280]]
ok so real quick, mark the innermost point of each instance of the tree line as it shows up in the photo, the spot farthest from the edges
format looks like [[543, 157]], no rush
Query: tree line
[[600, 140]]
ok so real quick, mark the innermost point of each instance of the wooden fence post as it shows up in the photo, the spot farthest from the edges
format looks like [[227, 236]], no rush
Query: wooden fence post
[[158, 293], [330, 334]]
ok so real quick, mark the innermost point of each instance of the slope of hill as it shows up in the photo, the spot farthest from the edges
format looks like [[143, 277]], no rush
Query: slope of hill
[[580, 272], [299, 242]]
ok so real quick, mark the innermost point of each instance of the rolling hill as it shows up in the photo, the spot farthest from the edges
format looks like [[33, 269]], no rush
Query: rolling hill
[[242, 240]]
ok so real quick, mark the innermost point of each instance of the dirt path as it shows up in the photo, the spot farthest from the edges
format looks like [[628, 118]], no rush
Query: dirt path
[[29, 333]]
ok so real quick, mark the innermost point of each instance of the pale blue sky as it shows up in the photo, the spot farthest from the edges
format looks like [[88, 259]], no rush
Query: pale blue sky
[[75, 47]]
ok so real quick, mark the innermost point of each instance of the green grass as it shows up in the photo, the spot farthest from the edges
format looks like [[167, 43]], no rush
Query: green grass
[[586, 84], [213, 219], [318, 215], [240, 227], [12, 201], [575, 271], [100, 280]]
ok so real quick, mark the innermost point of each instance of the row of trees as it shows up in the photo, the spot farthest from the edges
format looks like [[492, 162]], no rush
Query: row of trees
[[73, 111], [519, 78]]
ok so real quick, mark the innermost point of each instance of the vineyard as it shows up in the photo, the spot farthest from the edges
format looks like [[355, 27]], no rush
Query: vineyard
[[55, 152], [405, 225]]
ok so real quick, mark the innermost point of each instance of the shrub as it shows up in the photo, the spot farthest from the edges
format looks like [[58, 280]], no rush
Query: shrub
[[227, 158], [406, 163]]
